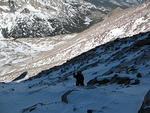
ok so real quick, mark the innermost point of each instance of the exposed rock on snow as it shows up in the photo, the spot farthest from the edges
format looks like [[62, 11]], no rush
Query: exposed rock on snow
[[20, 77], [43, 92], [97, 53], [145, 108], [64, 96], [115, 79]]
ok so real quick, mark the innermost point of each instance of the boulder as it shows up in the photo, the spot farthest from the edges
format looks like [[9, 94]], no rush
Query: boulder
[[114, 79], [99, 82]]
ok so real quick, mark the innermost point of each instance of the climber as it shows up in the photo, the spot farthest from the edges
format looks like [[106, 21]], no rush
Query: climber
[[79, 78]]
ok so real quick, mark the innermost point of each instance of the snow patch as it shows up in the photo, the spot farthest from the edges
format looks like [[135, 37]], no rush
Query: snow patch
[[1, 36], [139, 22], [4, 7], [68, 37], [31, 8], [117, 32], [87, 21]]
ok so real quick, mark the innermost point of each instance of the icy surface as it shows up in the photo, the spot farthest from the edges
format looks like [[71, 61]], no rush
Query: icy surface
[[87, 21]]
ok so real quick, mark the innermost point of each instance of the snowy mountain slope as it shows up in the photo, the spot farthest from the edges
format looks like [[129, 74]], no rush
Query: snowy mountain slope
[[15, 51], [43, 93], [126, 23], [42, 18], [113, 55]]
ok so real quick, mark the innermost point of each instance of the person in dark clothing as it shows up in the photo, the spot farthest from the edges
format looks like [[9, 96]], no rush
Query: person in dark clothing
[[79, 78]]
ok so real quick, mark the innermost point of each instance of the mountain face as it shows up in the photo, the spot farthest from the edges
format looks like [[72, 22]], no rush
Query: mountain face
[[116, 76], [30, 55], [113, 55], [42, 18]]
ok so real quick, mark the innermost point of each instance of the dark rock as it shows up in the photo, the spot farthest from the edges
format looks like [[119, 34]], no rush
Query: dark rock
[[13, 89], [31, 108], [145, 108], [142, 42], [136, 82], [99, 82], [115, 79], [104, 81], [74, 109], [25, 11], [64, 98], [92, 82], [21, 76], [89, 111], [120, 80], [139, 75], [123, 80]]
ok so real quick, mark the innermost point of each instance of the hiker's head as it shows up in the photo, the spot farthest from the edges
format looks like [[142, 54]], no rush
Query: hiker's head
[[79, 72]]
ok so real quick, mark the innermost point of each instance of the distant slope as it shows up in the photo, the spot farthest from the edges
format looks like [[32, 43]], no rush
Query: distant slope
[[42, 18]]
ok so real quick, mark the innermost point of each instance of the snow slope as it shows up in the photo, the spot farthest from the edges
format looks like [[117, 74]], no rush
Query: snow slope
[[121, 49], [15, 51], [126, 57]]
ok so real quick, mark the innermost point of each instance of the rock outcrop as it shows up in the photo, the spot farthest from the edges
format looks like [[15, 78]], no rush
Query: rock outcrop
[[145, 108]]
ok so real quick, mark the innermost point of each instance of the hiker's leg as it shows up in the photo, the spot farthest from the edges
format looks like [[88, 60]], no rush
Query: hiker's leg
[[77, 83]]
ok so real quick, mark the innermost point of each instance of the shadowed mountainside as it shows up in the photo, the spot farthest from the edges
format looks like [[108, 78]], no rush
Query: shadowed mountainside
[[118, 50]]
